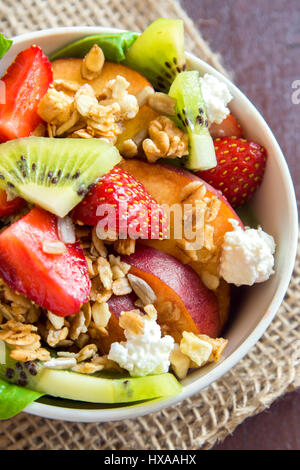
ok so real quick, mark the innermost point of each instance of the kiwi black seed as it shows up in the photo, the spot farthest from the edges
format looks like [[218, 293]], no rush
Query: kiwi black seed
[[9, 373], [54, 173], [191, 117]]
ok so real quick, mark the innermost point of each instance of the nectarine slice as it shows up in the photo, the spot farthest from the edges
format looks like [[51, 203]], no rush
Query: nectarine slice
[[69, 69], [183, 302]]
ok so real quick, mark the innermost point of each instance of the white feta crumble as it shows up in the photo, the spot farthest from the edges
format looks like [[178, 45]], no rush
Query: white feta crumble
[[143, 354], [216, 96], [246, 256]]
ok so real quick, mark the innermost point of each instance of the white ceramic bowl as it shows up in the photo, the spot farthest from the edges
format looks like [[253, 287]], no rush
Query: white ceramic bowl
[[274, 205]]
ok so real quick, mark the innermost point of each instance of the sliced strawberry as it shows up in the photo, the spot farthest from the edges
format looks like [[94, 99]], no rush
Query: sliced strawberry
[[57, 282], [239, 171], [26, 82], [9, 207], [132, 211], [228, 128]]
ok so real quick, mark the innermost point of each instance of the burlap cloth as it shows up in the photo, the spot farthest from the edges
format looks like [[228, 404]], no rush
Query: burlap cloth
[[271, 368]]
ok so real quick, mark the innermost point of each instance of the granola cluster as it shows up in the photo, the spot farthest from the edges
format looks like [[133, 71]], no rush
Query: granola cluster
[[25, 326], [24, 341], [195, 351], [165, 140], [203, 211], [73, 110]]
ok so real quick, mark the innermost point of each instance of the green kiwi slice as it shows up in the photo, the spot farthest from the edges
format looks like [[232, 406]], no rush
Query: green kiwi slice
[[191, 117], [54, 173], [102, 387], [158, 53]]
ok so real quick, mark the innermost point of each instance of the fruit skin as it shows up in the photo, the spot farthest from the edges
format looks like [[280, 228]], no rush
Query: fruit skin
[[134, 210], [122, 303], [103, 388], [9, 207], [70, 69], [116, 304], [59, 283], [158, 53], [228, 128], [26, 82], [193, 307], [240, 169]]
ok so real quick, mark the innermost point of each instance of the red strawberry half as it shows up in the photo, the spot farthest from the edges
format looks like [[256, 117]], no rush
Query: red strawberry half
[[119, 204], [26, 82], [239, 171], [57, 282]]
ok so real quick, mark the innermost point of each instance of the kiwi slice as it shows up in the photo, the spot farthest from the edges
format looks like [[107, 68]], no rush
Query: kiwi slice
[[158, 53], [54, 173], [103, 387], [191, 117]]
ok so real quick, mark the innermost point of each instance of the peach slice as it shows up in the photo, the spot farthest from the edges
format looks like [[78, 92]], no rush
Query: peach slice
[[115, 333], [183, 302], [69, 69], [166, 183]]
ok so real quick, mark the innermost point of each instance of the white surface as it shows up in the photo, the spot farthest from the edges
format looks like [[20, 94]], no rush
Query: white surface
[[275, 207]]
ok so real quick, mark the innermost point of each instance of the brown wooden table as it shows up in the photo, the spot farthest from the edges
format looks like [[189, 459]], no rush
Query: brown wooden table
[[260, 43]]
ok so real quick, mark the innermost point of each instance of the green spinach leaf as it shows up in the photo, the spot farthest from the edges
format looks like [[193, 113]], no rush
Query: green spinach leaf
[[13, 399], [114, 46]]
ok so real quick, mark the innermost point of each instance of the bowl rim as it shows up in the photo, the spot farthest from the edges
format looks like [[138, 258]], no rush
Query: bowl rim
[[130, 412]]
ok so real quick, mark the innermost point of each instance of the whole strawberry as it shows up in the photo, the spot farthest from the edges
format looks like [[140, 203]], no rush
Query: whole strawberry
[[120, 205], [239, 171]]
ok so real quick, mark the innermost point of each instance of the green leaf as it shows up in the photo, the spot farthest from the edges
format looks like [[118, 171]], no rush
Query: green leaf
[[13, 399], [114, 46], [5, 44]]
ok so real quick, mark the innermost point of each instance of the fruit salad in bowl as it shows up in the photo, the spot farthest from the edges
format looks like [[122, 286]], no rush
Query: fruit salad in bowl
[[128, 221]]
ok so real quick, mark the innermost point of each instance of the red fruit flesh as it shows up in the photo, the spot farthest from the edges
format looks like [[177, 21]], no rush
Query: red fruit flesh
[[228, 128], [9, 207], [26, 82], [134, 212], [57, 282]]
